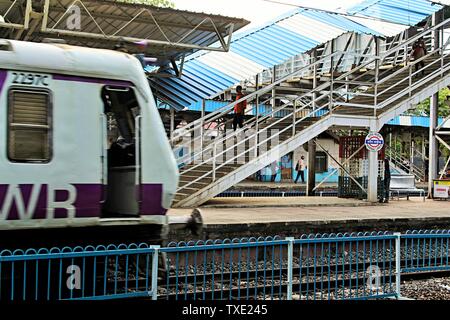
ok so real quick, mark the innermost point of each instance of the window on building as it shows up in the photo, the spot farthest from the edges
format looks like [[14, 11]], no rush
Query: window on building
[[321, 162], [29, 129]]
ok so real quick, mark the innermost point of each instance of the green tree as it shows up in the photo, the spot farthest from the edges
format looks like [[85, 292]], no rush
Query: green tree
[[157, 3], [423, 109]]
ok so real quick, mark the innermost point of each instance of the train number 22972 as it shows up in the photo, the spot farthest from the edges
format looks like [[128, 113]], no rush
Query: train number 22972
[[30, 79]]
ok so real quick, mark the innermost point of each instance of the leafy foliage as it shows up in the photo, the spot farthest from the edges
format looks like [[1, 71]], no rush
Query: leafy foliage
[[423, 109]]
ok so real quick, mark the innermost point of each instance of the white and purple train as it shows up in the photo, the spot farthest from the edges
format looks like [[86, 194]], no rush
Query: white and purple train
[[81, 143]]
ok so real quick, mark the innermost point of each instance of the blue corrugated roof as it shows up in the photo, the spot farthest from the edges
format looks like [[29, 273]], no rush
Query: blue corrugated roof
[[338, 21], [272, 44], [413, 121], [266, 46], [257, 45], [198, 82], [394, 122], [407, 12]]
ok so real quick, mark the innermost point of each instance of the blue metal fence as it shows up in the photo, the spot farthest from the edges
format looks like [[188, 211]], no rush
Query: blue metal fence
[[312, 267], [345, 266], [226, 269], [425, 250], [90, 273]]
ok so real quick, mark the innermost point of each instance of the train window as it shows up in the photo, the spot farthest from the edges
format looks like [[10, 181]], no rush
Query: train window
[[121, 108], [29, 134]]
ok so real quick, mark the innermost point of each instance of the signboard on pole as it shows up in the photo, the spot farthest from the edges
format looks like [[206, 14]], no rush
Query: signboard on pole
[[374, 142]]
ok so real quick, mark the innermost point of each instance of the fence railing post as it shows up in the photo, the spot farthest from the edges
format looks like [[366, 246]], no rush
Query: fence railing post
[[398, 270], [155, 273], [290, 267]]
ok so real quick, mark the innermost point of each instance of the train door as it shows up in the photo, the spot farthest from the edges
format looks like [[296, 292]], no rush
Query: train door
[[120, 159]]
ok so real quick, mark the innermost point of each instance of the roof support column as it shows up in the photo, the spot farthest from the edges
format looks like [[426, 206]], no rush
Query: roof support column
[[202, 126], [377, 73], [311, 182], [433, 154], [274, 91], [314, 95], [412, 148], [257, 116], [311, 168], [372, 183], [172, 123]]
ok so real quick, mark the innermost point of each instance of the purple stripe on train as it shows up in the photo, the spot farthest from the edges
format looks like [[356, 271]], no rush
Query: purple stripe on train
[[3, 74], [151, 200], [63, 77], [36, 201], [42, 201]]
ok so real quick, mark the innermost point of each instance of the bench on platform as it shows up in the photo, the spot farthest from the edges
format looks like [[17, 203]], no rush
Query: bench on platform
[[404, 185]]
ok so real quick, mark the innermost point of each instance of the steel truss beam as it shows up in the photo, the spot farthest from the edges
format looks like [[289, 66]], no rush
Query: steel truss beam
[[172, 66], [145, 14], [163, 33], [439, 127], [10, 18]]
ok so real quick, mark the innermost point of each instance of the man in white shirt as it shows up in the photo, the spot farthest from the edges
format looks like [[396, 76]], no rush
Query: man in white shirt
[[300, 169]]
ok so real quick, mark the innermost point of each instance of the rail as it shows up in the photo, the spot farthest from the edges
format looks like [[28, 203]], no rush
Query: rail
[[310, 109], [405, 164], [344, 266]]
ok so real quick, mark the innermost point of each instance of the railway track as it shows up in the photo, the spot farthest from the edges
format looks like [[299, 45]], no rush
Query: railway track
[[312, 289], [349, 281]]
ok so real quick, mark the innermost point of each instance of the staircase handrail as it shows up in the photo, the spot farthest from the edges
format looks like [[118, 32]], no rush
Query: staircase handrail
[[272, 113], [321, 87], [229, 107]]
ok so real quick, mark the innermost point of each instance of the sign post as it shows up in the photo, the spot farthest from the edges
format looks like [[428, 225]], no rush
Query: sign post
[[374, 142]]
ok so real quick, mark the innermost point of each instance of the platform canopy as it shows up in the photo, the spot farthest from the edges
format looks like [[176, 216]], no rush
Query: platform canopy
[[163, 33], [444, 2], [403, 12]]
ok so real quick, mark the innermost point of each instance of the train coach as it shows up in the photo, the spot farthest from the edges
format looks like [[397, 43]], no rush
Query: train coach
[[83, 152]]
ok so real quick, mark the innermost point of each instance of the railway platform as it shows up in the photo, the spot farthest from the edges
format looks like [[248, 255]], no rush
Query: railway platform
[[254, 217]]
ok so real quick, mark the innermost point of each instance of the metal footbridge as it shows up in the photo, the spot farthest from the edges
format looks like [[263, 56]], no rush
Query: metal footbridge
[[379, 88]]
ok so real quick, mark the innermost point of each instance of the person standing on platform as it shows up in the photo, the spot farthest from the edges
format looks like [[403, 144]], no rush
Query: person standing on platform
[[300, 168], [239, 109], [387, 181], [274, 168]]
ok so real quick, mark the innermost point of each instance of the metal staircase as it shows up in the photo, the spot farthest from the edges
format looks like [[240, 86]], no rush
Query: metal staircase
[[404, 165], [380, 88]]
